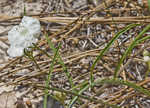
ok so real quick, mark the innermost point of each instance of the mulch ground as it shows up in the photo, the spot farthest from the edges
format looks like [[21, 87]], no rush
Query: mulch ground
[[83, 27]]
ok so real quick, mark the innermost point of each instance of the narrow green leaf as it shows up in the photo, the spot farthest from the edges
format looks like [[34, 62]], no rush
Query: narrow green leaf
[[76, 97], [143, 39], [43, 51], [148, 63], [49, 76], [122, 82], [60, 61], [84, 89], [24, 11], [148, 4], [129, 49], [29, 54], [107, 47]]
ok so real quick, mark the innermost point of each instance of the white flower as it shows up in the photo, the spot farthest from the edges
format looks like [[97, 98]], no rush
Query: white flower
[[32, 24], [23, 35]]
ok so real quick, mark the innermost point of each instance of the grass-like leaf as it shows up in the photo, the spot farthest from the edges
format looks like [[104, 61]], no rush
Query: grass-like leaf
[[148, 4], [122, 82], [82, 90], [41, 50], [76, 97], [143, 39], [24, 11], [100, 56], [129, 49], [29, 54], [107, 47], [49, 75], [92, 99], [60, 61], [148, 63]]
